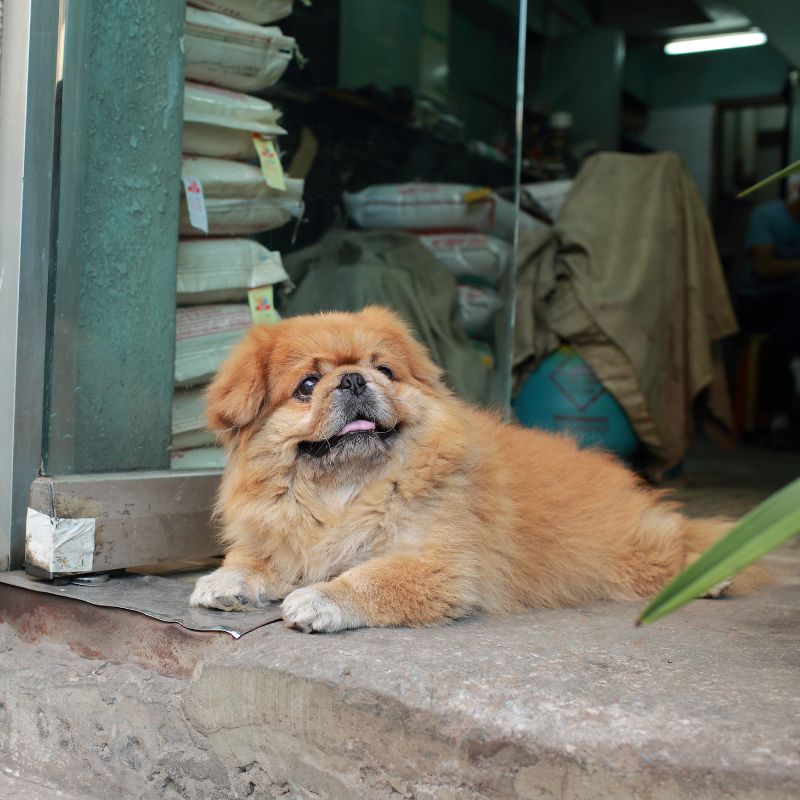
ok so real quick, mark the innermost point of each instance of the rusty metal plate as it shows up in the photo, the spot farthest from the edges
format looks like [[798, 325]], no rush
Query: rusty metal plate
[[165, 599]]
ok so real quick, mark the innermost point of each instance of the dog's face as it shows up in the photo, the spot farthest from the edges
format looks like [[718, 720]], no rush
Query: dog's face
[[333, 393]]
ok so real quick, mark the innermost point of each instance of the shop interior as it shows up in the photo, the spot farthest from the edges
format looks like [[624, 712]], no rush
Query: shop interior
[[439, 117]]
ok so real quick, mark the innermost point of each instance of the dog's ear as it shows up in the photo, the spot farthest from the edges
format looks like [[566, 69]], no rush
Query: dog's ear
[[239, 390], [419, 361], [422, 367]]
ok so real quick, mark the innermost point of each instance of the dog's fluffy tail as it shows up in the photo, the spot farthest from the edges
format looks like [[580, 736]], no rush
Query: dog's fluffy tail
[[700, 534]]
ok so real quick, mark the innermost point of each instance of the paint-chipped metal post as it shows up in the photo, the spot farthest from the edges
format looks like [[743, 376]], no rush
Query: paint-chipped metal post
[[28, 66]]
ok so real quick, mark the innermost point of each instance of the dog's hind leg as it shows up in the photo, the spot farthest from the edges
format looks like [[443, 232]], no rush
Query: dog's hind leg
[[668, 542], [699, 535]]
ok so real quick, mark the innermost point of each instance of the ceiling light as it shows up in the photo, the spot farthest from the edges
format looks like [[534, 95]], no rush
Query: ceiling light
[[725, 41]]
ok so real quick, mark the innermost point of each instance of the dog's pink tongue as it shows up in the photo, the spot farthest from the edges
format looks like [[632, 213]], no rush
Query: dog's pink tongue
[[357, 425]]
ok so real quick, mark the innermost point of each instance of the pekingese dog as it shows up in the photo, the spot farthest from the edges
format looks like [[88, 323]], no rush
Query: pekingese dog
[[361, 492]]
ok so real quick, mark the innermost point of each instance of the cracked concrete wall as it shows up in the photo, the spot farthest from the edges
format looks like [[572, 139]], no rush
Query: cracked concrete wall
[[125, 732]]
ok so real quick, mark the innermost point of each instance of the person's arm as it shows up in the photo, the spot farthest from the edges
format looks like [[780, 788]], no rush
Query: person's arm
[[768, 266]]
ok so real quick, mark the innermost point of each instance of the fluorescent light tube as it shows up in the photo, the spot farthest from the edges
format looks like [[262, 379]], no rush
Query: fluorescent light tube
[[724, 41]]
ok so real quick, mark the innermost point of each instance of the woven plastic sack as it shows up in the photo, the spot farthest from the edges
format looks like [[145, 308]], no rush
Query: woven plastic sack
[[235, 54], [219, 123], [204, 338], [505, 214], [258, 11], [420, 206], [198, 458], [473, 255], [220, 270], [550, 195], [477, 306], [237, 198], [189, 420]]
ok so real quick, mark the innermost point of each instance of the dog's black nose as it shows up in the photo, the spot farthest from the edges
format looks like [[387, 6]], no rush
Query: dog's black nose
[[353, 381]]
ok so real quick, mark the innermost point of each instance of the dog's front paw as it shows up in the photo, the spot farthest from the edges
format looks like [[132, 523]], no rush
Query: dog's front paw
[[311, 610], [229, 590]]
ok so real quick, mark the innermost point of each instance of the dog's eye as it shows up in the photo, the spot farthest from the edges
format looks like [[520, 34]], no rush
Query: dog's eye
[[306, 387], [386, 371]]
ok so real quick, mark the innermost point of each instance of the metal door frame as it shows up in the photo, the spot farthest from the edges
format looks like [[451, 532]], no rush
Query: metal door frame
[[28, 77]]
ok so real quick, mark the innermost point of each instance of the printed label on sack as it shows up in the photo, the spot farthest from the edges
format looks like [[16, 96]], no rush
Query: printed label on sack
[[196, 203], [270, 162], [262, 307], [477, 195], [198, 321]]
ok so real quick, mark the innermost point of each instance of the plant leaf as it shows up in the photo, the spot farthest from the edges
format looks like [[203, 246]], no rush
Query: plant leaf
[[768, 525], [776, 176]]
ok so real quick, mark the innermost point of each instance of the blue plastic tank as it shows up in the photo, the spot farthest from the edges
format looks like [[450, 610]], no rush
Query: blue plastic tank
[[565, 395]]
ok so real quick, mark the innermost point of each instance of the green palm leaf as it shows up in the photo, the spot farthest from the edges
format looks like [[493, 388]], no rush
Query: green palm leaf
[[776, 176], [756, 534]]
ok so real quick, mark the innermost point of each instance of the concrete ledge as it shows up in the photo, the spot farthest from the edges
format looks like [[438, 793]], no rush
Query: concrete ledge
[[15, 788], [571, 704]]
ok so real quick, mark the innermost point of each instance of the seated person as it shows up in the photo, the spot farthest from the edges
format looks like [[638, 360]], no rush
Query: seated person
[[769, 302]]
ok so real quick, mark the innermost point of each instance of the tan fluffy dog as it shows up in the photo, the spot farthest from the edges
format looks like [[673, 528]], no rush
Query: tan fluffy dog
[[363, 493]]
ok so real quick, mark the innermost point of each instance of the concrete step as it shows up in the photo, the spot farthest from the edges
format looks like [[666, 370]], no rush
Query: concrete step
[[569, 704], [13, 787]]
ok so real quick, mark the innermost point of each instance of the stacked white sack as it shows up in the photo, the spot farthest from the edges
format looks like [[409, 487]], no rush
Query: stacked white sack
[[211, 457], [204, 338], [478, 261], [193, 445], [189, 420], [550, 195], [469, 255], [463, 217], [258, 11], [237, 199], [477, 306], [234, 54], [435, 207], [224, 47], [220, 123], [223, 270], [420, 207]]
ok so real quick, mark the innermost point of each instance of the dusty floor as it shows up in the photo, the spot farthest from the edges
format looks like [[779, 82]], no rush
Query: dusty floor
[[731, 482]]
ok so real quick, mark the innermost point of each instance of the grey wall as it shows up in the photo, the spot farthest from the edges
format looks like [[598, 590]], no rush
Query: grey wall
[[663, 81], [392, 43], [582, 74], [689, 132], [483, 74], [780, 20], [380, 43]]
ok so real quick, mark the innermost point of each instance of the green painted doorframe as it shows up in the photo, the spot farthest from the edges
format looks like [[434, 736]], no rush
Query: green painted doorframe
[[112, 346], [27, 114]]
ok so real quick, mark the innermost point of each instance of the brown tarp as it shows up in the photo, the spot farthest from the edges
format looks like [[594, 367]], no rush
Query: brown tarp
[[631, 277]]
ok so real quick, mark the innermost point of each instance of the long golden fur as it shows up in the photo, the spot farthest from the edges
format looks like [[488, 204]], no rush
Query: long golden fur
[[436, 511]]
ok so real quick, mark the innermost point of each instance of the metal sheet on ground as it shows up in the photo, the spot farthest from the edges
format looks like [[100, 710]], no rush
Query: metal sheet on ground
[[165, 599]]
